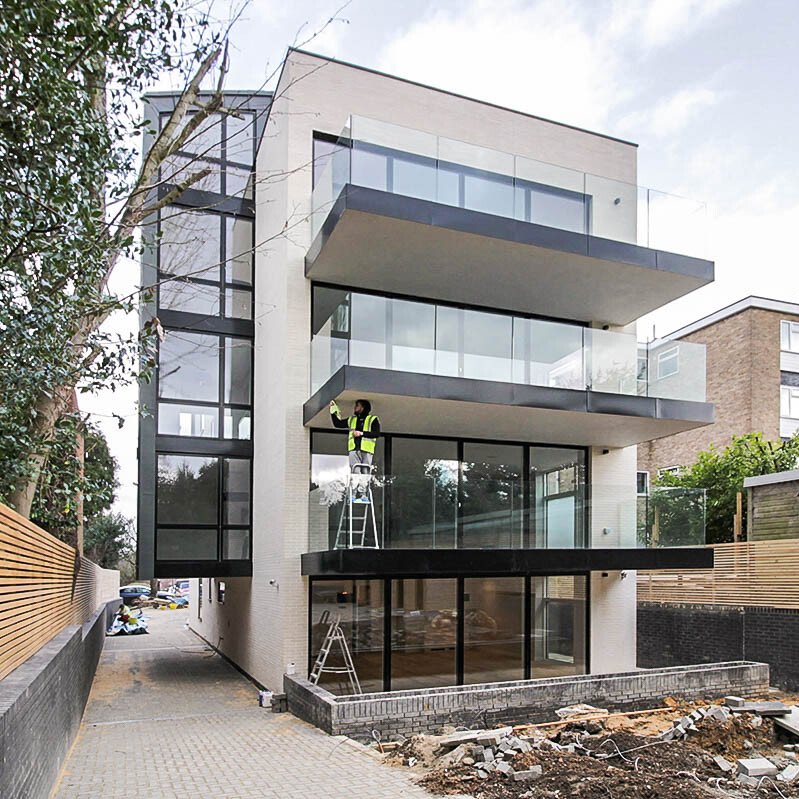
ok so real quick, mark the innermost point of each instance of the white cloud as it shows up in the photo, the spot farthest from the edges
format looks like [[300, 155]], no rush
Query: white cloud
[[555, 58], [656, 23], [670, 115]]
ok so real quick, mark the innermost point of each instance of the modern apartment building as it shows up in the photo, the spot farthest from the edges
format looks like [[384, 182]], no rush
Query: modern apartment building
[[476, 273], [752, 351]]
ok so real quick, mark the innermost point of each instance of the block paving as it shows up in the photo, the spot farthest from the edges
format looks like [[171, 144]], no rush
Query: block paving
[[169, 718]]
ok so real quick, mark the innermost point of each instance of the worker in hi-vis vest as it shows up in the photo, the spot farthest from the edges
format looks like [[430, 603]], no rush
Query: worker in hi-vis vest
[[364, 431]]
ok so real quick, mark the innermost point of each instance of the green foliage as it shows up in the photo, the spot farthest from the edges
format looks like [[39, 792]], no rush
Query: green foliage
[[723, 473], [109, 540], [72, 73], [55, 507]]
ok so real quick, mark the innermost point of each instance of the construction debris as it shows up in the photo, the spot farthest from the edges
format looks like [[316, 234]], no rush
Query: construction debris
[[128, 621], [684, 751], [757, 767], [789, 722]]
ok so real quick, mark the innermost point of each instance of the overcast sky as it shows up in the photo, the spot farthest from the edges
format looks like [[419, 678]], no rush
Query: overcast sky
[[707, 88]]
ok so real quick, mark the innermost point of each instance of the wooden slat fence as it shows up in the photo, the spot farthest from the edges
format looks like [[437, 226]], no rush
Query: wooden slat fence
[[44, 587], [751, 573]]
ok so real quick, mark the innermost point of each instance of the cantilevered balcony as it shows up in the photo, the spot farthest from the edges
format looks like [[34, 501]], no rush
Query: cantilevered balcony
[[451, 517], [440, 370], [404, 211]]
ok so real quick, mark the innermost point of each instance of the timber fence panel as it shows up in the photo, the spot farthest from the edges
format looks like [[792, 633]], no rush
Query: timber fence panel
[[747, 573], [44, 587]]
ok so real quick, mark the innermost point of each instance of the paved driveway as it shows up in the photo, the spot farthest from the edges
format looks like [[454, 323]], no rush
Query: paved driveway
[[169, 719]]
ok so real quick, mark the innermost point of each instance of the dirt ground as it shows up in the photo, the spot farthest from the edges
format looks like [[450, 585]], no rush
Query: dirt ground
[[620, 757]]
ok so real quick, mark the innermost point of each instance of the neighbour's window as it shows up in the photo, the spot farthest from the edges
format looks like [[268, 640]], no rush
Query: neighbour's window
[[669, 470], [789, 336], [642, 483], [789, 402], [668, 362], [220, 592]]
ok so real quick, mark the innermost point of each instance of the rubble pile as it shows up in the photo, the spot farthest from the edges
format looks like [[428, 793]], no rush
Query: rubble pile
[[735, 749]]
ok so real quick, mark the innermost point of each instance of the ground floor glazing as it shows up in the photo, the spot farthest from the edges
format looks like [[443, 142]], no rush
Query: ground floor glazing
[[412, 633]]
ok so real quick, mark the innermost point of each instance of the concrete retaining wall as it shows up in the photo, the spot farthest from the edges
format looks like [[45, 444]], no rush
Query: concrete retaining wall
[[672, 635], [408, 712], [41, 706]]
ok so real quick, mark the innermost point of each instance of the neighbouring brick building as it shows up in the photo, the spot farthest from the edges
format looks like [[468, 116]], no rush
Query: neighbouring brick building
[[752, 379]]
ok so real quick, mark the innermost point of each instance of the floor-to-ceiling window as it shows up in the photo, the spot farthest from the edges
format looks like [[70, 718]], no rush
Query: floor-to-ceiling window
[[492, 496], [434, 493], [358, 606], [419, 632], [424, 633], [558, 610], [557, 486], [493, 629], [424, 493]]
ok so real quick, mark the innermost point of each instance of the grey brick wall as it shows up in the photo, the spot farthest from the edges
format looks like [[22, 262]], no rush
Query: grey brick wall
[[672, 635], [407, 712], [41, 705]]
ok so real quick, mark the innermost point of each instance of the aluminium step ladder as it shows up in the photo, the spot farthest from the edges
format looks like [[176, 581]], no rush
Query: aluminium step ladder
[[357, 526], [335, 635]]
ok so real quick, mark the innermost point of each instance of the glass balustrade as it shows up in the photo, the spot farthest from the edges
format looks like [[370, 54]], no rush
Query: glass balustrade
[[413, 163], [446, 507], [409, 336]]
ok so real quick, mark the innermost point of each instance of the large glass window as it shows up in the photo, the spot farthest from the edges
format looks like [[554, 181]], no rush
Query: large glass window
[[423, 337], [359, 607], [424, 633], [238, 371], [557, 497], [187, 490], [188, 367], [558, 614], [492, 496], [512, 627], [326, 506], [185, 544], [189, 244], [189, 370], [205, 263], [493, 629], [424, 493], [441, 493]]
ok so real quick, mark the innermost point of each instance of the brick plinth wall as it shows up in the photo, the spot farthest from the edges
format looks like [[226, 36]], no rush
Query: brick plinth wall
[[41, 706], [673, 635], [407, 712]]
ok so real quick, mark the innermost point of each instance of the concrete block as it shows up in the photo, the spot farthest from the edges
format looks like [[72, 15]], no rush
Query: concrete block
[[528, 774], [757, 767], [789, 773], [789, 722], [719, 713], [723, 763], [493, 737], [504, 768], [734, 701], [763, 708]]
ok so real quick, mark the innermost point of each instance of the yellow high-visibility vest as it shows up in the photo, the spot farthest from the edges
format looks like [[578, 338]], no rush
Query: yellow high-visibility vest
[[367, 444]]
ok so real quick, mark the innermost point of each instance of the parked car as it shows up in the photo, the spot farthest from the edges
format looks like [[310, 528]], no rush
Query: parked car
[[134, 591]]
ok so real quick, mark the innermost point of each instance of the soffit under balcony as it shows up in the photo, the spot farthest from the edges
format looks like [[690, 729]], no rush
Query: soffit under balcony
[[392, 243], [461, 407]]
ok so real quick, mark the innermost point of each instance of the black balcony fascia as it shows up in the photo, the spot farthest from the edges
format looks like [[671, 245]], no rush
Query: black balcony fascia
[[464, 389], [498, 562], [203, 568]]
